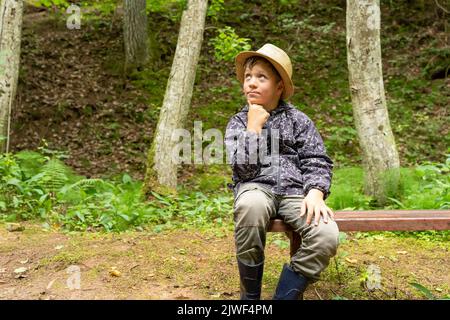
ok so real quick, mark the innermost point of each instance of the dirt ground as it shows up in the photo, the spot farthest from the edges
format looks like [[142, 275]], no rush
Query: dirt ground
[[199, 264]]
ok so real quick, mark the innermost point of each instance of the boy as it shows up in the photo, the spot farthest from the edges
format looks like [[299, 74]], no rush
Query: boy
[[292, 182]]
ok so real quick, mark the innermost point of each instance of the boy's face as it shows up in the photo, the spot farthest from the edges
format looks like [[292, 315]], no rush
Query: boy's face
[[261, 86]]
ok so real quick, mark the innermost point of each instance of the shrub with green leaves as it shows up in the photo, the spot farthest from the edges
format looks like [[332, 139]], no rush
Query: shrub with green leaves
[[214, 8], [21, 195], [61, 4], [171, 9], [35, 186], [104, 8], [38, 185], [227, 44], [428, 187]]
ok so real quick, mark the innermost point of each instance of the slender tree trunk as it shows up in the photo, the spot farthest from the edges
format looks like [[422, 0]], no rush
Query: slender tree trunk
[[161, 175], [380, 157], [11, 12], [135, 30]]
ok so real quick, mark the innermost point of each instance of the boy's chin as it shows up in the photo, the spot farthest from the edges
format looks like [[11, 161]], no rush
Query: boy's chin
[[256, 101]]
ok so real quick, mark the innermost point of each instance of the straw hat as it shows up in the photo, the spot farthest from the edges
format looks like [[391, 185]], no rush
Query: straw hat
[[279, 59]]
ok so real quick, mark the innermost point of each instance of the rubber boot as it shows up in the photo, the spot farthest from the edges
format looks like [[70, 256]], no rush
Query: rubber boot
[[251, 277], [291, 285]]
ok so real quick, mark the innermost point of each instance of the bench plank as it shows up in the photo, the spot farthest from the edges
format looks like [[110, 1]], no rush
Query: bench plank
[[394, 220], [375, 220], [382, 220]]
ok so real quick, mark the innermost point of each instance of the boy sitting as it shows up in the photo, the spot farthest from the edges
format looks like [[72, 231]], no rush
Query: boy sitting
[[292, 182]]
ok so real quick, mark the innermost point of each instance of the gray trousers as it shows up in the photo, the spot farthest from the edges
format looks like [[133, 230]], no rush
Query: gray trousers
[[254, 205]]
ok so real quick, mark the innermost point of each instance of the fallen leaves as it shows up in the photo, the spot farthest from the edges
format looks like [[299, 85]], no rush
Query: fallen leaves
[[114, 272], [349, 260], [20, 270], [50, 284], [393, 258]]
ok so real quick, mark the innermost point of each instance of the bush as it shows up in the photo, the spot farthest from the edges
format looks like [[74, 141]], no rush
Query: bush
[[34, 186], [227, 44], [38, 185]]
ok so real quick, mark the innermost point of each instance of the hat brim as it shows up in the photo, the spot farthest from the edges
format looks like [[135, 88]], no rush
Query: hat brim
[[244, 55]]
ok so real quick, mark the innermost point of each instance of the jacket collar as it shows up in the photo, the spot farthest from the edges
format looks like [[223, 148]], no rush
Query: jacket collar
[[282, 106]]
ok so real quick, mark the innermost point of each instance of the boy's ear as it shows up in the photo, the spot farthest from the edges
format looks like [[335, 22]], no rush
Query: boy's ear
[[280, 85]]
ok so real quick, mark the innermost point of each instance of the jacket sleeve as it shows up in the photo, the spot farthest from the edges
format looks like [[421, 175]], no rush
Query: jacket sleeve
[[316, 166], [242, 149]]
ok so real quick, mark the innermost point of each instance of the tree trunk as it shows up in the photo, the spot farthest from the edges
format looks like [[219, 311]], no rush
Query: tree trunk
[[135, 31], [161, 175], [11, 12], [380, 157]]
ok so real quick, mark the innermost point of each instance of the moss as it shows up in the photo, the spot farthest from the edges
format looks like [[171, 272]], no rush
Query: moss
[[151, 183], [66, 258]]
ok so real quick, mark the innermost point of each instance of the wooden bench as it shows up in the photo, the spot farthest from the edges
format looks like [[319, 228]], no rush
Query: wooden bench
[[375, 220]]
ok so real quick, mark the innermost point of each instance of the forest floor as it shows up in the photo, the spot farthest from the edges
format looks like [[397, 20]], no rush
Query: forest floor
[[37, 263], [72, 95]]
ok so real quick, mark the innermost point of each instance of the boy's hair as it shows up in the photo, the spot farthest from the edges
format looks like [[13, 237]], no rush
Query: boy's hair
[[250, 62]]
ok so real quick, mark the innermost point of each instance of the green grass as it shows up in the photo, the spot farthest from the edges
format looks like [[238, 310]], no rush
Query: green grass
[[420, 188]]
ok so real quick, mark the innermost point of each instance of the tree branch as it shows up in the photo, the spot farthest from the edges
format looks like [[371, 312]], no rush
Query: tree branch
[[439, 6]]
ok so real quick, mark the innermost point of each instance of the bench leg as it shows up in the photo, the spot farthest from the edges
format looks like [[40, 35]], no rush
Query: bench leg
[[295, 241]]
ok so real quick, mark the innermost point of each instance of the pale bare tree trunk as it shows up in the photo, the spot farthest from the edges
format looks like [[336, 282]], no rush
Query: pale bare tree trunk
[[11, 12], [135, 31], [380, 157], [161, 175]]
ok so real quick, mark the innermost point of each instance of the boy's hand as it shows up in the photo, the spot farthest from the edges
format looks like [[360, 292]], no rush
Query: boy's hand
[[314, 205], [257, 117]]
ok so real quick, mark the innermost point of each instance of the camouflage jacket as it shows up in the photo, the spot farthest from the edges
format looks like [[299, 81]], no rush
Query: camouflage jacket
[[300, 164]]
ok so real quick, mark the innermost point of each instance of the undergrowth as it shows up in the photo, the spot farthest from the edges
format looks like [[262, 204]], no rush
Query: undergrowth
[[38, 185]]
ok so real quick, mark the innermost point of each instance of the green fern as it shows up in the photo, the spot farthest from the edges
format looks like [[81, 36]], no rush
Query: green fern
[[53, 175], [86, 183]]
